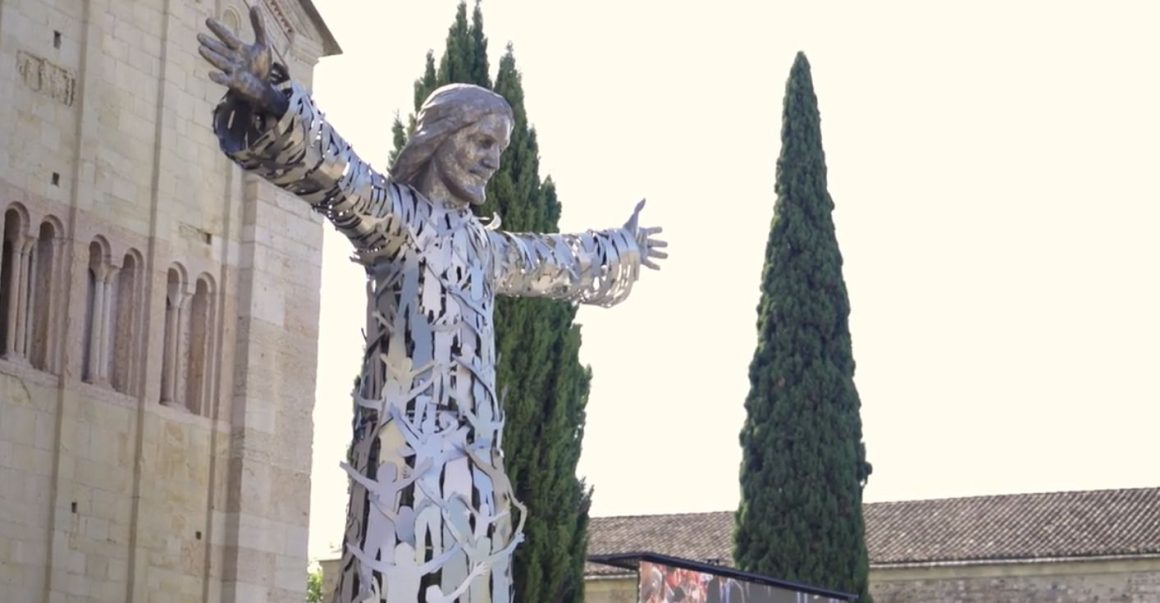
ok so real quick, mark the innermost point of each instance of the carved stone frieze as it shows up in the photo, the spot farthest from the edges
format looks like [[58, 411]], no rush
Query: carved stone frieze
[[46, 77]]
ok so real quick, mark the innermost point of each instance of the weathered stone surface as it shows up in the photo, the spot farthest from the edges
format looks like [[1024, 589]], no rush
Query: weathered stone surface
[[106, 494], [1028, 582]]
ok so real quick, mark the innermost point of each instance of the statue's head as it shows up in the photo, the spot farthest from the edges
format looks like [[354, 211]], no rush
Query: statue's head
[[459, 136]]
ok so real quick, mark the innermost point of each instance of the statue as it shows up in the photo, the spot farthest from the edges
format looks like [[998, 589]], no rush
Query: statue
[[432, 516]]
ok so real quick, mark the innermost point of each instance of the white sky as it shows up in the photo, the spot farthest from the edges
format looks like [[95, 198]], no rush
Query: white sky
[[994, 166]]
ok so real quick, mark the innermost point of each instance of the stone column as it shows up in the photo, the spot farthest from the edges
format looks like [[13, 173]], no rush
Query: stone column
[[108, 312], [52, 333], [96, 326], [28, 326], [176, 299], [18, 305]]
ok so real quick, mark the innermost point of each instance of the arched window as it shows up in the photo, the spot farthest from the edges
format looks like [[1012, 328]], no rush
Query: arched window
[[230, 19], [172, 352], [198, 372], [126, 316], [44, 339], [100, 299], [13, 282], [187, 369], [28, 280]]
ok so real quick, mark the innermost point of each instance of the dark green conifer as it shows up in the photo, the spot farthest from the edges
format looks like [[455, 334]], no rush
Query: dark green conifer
[[803, 460]]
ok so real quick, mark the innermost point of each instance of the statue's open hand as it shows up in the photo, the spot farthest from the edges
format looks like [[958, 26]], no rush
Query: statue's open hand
[[245, 68], [650, 246]]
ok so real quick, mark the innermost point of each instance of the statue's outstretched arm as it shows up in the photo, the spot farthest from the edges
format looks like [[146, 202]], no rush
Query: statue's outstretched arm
[[269, 125], [595, 267]]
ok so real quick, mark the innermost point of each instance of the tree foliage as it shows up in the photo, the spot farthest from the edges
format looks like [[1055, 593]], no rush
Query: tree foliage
[[314, 592], [803, 460]]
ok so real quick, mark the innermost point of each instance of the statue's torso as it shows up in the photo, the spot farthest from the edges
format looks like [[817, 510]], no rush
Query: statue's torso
[[430, 297], [428, 421]]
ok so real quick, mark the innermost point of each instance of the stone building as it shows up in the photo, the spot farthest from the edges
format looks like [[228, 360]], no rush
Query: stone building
[[158, 314], [1073, 547]]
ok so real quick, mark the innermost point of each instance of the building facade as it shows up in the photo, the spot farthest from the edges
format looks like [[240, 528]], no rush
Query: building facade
[[158, 314], [1073, 547]]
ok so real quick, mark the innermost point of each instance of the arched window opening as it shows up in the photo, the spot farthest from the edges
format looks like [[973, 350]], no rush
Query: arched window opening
[[125, 318], [198, 381], [43, 298], [100, 315], [10, 280], [18, 300], [173, 350], [230, 18], [95, 315]]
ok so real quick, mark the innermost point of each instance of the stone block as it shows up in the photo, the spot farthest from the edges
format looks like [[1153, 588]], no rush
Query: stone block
[[45, 435], [260, 415], [249, 565], [245, 591], [290, 574], [257, 533], [18, 426], [7, 460], [35, 461]]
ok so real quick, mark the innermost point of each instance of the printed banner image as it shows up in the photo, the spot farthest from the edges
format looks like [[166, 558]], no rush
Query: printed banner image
[[664, 584]]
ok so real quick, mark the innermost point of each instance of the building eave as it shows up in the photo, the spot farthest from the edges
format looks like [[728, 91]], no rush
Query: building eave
[[330, 45], [1012, 561]]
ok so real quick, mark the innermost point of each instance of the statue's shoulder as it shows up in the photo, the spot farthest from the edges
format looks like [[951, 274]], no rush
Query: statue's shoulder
[[407, 201]]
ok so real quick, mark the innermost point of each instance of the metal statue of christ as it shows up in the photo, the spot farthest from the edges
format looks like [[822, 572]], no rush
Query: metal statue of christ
[[432, 516]]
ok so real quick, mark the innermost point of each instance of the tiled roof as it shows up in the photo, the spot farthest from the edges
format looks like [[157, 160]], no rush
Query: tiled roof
[[1016, 526], [981, 528], [704, 537]]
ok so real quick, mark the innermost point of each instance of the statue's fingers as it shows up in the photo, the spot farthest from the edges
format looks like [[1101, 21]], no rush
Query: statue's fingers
[[220, 78], [652, 230], [650, 264], [657, 243], [653, 253], [216, 46], [259, 26], [639, 206], [215, 59], [223, 33]]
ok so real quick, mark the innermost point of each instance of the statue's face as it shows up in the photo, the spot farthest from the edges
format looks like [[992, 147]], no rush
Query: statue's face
[[467, 160]]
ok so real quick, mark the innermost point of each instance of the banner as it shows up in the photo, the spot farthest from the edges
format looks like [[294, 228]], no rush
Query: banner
[[665, 584]]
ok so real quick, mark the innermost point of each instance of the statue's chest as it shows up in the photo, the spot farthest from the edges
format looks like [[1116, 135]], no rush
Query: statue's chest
[[441, 268]]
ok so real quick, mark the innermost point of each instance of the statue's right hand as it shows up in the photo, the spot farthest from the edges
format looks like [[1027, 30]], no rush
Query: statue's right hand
[[245, 68]]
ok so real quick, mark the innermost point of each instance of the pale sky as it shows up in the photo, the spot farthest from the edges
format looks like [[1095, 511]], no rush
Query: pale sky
[[994, 167]]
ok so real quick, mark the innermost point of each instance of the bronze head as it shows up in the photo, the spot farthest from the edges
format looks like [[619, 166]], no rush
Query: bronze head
[[461, 131]]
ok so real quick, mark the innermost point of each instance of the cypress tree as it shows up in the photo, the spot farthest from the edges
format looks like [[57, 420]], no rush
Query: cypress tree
[[465, 61], [478, 69], [426, 84], [803, 461], [399, 138], [545, 386]]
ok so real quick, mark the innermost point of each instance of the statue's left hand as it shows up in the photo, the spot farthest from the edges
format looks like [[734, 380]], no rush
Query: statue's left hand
[[650, 246], [245, 68]]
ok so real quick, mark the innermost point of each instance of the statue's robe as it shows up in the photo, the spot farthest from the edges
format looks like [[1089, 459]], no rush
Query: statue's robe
[[430, 505]]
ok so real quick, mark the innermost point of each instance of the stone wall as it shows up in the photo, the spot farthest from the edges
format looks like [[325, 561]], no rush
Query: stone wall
[[1070, 582], [331, 570], [151, 265], [611, 589]]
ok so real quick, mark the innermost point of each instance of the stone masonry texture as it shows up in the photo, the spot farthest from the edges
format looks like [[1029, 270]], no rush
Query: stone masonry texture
[[106, 494]]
